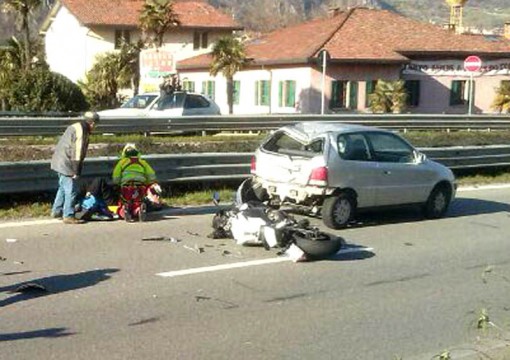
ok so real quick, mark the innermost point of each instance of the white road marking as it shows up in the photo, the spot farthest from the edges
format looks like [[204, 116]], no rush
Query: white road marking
[[244, 264], [29, 223], [483, 187]]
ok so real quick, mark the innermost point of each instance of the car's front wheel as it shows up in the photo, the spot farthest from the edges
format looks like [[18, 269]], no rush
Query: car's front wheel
[[437, 203], [338, 210]]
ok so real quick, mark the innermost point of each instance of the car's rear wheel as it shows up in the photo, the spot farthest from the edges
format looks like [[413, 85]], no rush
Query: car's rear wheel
[[437, 203], [338, 210]]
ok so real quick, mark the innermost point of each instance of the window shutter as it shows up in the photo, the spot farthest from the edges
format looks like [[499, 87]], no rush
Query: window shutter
[[196, 40], [265, 92], [369, 89], [280, 94], [291, 93], [334, 94], [353, 96], [455, 93], [237, 91], [257, 93], [205, 42]]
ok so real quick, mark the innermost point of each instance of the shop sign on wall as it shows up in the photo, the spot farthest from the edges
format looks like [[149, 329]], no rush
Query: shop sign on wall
[[156, 63], [456, 68]]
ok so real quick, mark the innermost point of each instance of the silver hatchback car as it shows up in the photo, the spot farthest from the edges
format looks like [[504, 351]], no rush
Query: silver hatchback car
[[334, 169]]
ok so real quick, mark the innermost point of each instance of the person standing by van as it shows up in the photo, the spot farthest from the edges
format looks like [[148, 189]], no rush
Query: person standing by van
[[67, 162]]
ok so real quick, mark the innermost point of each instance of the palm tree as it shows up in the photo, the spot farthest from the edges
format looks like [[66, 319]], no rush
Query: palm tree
[[111, 72], [157, 17], [130, 62], [229, 57], [501, 102], [388, 96], [23, 8]]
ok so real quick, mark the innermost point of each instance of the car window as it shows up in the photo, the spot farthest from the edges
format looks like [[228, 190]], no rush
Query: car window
[[170, 101], [353, 147], [195, 102], [390, 148], [285, 144], [139, 101]]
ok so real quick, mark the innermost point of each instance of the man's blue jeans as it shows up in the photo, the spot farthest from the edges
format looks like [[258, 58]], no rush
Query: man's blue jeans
[[66, 197]]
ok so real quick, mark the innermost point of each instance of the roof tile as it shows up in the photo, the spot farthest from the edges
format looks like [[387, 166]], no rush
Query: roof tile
[[360, 34], [195, 13]]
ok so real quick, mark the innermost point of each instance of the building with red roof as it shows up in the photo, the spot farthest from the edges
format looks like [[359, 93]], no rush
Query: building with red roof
[[76, 31], [364, 45]]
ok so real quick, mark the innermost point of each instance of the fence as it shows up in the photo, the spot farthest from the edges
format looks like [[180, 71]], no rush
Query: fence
[[46, 126], [36, 176]]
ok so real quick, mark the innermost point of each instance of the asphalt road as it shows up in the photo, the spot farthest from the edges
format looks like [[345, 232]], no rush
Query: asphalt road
[[402, 288]]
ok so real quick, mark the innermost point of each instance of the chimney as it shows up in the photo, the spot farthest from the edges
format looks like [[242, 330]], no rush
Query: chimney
[[506, 31]]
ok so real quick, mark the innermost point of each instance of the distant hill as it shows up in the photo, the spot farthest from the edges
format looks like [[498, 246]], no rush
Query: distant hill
[[266, 15]]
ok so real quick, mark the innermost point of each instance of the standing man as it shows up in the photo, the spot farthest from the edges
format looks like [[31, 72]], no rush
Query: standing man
[[67, 161]]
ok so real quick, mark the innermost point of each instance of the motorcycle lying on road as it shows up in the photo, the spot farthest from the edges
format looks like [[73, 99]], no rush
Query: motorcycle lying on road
[[250, 221]]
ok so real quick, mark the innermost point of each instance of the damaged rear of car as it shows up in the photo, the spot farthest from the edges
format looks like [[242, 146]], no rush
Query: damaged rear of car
[[334, 169]]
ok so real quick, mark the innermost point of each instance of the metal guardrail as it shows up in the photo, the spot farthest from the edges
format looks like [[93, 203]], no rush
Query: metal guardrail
[[47, 126], [36, 176]]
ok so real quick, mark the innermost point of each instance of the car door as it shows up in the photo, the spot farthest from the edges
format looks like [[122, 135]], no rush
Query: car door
[[196, 105], [401, 178], [350, 165]]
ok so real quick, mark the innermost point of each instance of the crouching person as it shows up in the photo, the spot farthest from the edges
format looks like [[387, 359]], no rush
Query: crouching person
[[94, 197], [134, 176]]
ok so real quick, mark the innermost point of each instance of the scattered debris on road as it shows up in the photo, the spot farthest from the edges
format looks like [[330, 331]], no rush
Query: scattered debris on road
[[196, 248], [161, 238]]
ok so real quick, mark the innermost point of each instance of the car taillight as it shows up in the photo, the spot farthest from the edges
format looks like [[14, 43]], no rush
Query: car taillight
[[253, 165], [319, 176]]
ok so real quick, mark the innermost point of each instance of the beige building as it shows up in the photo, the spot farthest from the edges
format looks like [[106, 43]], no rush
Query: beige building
[[76, 31], [364, 45]]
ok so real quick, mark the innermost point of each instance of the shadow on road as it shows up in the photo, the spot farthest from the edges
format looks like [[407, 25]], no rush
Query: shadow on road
[[44, 333], [460, 207], [351, 252], [55, 284]]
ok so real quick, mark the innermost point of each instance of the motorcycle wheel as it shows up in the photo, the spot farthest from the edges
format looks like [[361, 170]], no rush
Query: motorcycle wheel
[[317, 246]]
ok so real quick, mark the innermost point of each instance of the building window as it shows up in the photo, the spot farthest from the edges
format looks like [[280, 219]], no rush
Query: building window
[[369, 90], [237, 91], [413, 92], [188, 86], [200, 40], [262, 92], [344, 95], [208, 88], [122, 37], [459, 93], [287, 93]]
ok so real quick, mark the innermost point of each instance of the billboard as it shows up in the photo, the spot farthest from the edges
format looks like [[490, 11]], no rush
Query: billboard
[[155, 64]]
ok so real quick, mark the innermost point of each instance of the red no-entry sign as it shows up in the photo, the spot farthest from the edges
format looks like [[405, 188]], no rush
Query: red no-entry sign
[[472, 63]]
